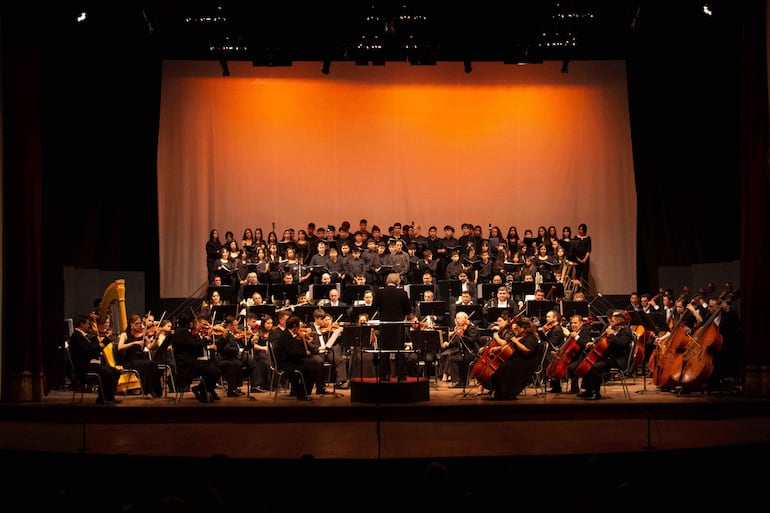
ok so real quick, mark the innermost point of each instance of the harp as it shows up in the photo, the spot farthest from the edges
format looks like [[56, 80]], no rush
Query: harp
[[113, 307]]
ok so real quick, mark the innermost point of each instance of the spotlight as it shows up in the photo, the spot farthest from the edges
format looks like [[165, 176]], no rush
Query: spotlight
[[468, 67], [326, 65], [225, 67]]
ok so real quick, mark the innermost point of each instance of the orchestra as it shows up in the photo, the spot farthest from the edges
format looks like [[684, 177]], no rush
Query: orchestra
[[572, 346]]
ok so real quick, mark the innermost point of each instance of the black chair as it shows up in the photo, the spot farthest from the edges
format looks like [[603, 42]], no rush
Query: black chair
[[83, 382], [277, 374]]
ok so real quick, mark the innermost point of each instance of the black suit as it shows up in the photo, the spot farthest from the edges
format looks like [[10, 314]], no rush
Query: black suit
[[187, 349], [393, 304], [83, 350]]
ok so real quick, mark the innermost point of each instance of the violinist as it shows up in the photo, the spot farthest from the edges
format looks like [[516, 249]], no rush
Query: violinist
[[229, 356], [255, 339], [292, 354], [133, 353], [459, 350], [331, 334], [515, 373], [190, 345], [553, 334], [619, 337], [86, 352], [159, 350], [414, 338]]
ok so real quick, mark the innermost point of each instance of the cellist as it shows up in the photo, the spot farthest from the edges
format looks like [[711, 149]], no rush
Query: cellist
[[580, 332], [618, 336], [515, 372]]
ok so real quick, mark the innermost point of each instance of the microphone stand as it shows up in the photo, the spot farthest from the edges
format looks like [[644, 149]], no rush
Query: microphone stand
[[463, 348]]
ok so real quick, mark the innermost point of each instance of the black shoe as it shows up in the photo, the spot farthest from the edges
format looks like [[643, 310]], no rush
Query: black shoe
[[323, 391], [199, 395], [214, 396], [574, 391], [458, 384], [594, 397], [234, 394], [256, 390], [305, 398], [554, 390], [584, 393], [342, 385]]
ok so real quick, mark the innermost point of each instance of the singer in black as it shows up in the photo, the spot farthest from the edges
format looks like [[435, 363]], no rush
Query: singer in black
[[619, 337], [459, 350]]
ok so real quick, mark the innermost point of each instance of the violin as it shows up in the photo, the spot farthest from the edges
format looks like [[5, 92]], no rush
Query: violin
[[549, 326]]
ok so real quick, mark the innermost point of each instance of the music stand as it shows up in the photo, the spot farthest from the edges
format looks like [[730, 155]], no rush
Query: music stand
[[355, 311], [493, 312], [283, 292], [337, 312], [528, 241], [417, 291], [547, 286], [262, 310], [539, 308], [249, 290], [437, 309], [226, 292], [305, 312], [522, 289], [449, 288], [222, 311], [320, 291], [487, 291], [475, 312], [570, 308], [352, 293], [639, 318]]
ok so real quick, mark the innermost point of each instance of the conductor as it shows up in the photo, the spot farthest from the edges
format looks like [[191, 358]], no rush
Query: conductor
[[394, 305]]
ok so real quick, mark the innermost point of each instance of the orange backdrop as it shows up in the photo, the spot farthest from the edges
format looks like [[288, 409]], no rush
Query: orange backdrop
[[505, 144]]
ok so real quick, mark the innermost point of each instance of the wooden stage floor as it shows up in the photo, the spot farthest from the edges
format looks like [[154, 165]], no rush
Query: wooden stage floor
[[437, 453], [449, 424]]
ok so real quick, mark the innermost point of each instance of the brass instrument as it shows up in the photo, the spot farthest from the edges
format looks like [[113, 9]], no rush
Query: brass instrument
[[567, 278]]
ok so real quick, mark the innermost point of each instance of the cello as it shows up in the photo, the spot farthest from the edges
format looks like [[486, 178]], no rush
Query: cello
[[557, 369], [489, 362], [594, 353]]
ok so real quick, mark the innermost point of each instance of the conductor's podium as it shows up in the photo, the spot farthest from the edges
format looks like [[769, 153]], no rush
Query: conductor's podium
[[377, 390]]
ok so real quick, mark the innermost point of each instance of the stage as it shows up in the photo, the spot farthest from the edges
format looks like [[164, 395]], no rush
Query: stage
[[452, 423]]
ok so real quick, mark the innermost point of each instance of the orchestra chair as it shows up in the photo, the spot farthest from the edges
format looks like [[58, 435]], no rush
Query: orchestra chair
[[539, 379], [278, 375], [619, 373], [129, 379], [167, 367], [83, 383]]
